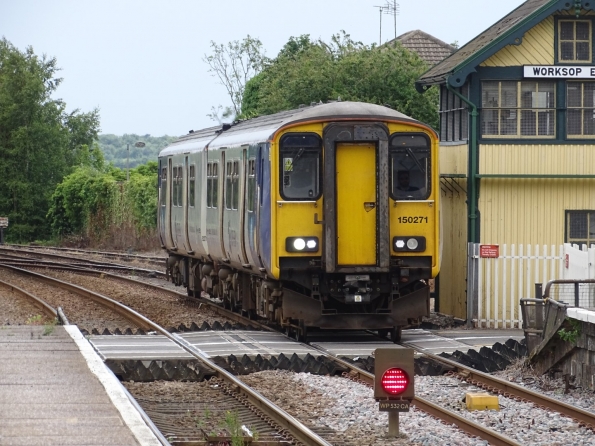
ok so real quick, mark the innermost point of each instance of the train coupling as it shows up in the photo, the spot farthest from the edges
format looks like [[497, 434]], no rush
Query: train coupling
[[357, 289]]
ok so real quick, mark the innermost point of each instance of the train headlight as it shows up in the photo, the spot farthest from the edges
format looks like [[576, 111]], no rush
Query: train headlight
[[405, 244], [301, 244], [412, 244]]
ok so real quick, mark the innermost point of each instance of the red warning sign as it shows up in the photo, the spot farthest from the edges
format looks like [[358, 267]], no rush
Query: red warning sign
[[489, 251]]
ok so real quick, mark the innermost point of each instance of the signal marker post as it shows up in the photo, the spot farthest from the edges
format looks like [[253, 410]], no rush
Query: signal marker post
[[394, 383], [3, 224]]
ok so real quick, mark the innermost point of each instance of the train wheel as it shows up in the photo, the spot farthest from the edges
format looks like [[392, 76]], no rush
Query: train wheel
[[290, 332], [302, 333], [396, 334]]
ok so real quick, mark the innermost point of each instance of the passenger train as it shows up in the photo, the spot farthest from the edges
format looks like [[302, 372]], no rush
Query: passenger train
[[323, 217]]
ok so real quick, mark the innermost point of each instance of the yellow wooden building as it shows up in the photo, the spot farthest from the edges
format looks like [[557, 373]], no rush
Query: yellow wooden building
[[517, 132]]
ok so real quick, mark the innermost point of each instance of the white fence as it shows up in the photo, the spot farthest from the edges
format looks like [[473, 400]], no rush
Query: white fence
[[500, 275]]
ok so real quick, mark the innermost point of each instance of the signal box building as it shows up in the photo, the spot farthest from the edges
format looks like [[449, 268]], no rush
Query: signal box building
[[517, 130]]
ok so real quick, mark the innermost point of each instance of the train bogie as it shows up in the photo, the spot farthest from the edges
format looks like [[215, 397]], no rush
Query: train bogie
[[327, 216]]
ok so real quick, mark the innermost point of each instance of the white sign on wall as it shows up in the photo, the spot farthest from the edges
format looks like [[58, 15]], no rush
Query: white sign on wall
[[559, 72]]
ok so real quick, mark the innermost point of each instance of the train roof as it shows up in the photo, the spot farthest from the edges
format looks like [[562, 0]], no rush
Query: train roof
[[262, 128]]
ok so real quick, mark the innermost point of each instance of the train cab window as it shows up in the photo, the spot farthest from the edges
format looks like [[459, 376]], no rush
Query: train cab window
[[251, 185], [301, 165], [212, 184], [163, 185], [410, 167], [191, 185]]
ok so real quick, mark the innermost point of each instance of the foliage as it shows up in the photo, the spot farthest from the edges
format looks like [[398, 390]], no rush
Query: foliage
[[40, 142], [307, 71], [103, 209], [115, 151], [49, 328], [571, 332], [233, 65]]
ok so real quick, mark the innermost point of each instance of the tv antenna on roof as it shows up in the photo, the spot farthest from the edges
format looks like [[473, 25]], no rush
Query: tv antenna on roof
[[390, 8]]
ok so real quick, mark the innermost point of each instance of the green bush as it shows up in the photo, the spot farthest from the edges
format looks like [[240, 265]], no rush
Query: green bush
[[101, 208]]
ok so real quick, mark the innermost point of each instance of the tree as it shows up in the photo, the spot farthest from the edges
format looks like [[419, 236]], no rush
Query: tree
[[308, 71], [39, 141], [100, 208], [234, 64]]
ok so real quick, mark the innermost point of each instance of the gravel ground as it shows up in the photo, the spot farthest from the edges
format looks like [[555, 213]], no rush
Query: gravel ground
[[18, 310], [161, 308], [349, 409], [519, 374], [80, 311], [164, 309], [523, 422]]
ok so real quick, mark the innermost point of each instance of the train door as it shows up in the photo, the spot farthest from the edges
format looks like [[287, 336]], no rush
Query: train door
[[244, 205], [162, 210], [205, 196], [356, 198], [214, 202], [188, 200], [171, 182], [222, 200], [231, 206]]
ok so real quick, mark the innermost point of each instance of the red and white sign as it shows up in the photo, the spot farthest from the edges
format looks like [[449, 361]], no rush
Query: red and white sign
[[489, 251]]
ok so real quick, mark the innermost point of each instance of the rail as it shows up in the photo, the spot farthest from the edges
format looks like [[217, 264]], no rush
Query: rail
[[39, 303], [506, 388], [443, 414], [282, 418]]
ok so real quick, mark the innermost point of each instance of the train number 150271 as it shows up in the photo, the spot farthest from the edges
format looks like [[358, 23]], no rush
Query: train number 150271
[[413, 219]]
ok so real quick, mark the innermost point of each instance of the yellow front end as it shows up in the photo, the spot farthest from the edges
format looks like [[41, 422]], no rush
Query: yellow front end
[[419, 218], [292, 218]]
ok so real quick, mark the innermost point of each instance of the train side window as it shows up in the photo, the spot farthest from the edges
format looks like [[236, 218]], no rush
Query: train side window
[[212, 184], [251, 184], [410, 167], [209, 184], [215, 190], [228, 184], [163, 185], [180, 174], [191, 185], [175, 186], [300, 166], [235, 183]]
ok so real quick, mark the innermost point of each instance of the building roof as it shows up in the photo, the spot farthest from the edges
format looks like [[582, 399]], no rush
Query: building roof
[[430, 49], [508, 31]]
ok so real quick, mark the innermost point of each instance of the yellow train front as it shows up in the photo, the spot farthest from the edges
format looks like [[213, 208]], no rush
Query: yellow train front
[[337, 219]]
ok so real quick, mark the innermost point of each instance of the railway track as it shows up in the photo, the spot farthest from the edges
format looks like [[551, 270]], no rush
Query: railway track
[[153, 260], [246, 395], [21, 257], [470, 375]]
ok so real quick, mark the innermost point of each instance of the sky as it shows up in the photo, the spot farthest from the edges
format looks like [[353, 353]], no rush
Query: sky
[[140, 62]]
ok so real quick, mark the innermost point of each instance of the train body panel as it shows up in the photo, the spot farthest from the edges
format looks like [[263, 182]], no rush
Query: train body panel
[[326, 216]]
